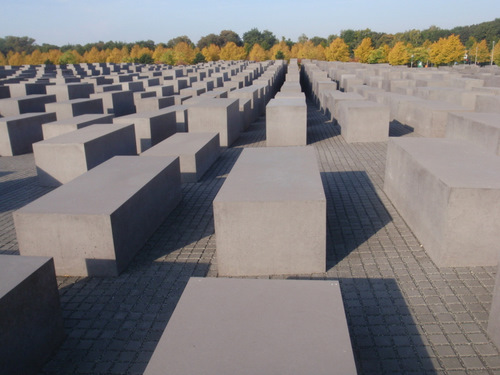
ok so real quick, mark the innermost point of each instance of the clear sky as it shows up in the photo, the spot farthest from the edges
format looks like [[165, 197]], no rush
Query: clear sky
[[61, 22]]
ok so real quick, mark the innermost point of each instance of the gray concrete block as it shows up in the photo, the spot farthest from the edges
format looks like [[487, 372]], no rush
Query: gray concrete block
[[485, 103], [196, 151], [246, 327], [71, 91], [95, 224], [53, 129], [154, 104], [119, 103], [31, 322], [75, 107], [270, 214], [18, 133], [216, 115], [480, 129], [63, 158], [25, 104], [286, 122], [150, 127], [448, 192], [335, 97], [494, 318], [363, 121]]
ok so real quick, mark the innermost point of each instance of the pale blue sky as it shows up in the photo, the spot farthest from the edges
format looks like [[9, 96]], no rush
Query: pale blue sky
[[86, 21]]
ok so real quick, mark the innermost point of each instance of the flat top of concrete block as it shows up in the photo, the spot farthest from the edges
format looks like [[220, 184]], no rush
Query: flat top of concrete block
[[287, 102], [73, 101], [340, 95], [274, 174], [14, 269], [101, 190], [437, 105], [24, 97], [456, 162], [361, 104], [85, 134], [26, 115], [181, 144], [254, 326], [488, 118], [213, 102], [82, 119]]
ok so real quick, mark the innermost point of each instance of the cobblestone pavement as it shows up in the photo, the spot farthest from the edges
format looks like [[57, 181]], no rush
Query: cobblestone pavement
[[404, 314]]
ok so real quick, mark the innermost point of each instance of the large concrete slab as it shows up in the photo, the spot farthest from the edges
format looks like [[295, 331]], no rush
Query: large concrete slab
[[95, 224], [63, 158], [216, 115], [448, 192], [196, 151], [18, 133], [363, 121], [53, 129], [75, 107], [25, 104], [31, 324], [286, 122], [270, 214], [247, 327]]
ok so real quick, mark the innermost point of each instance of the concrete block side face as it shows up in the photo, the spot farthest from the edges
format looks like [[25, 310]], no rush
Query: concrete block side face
[[119, 142], [365, 124], [137, 219], [206, 156], [163, 127], [30, 320], [234, 124], [286, 126], [494, 318], [270, 238], [59, 164], [123, 103], [419, 197], [5, 142], [72, 240], [473, 224]]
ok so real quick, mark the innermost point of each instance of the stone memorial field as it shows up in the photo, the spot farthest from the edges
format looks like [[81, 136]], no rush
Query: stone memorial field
[[238, 217]]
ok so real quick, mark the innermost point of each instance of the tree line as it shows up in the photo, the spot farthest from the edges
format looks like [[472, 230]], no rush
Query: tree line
[[433, 46]]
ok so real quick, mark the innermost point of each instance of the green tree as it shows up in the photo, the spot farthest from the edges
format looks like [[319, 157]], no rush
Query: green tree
[[145, 58], [279, 55], [199, 58], [209, 39], [230, 36]]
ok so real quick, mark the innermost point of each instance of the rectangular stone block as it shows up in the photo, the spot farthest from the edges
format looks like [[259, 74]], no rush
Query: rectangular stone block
[[494, 318], [154, 104], [333, 98], [95, 224], [31, 323], [75, 107], [18, 133], [270, 214], [63, 158], [150, 127], [286, 122], [71, 91], [119, 103], [53, 129], [216, 115], [247, 327], [25, 104], [448, 192], [363, 121], [196, 151]]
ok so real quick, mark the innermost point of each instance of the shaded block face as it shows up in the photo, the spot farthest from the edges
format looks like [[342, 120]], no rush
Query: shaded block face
[[31, 324], [75, 107], [53, 129], [71, 91], [18, 133], [286, 122], [196, 151], [270, 214], [95, 224], [25, 104], [245, 326], [216, 115], [363, 121], [119, 103], [63, 158], [449, 194]]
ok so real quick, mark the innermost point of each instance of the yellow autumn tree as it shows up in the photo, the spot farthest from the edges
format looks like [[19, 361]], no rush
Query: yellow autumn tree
[[281, 46], [93, 56], [184, 54], [15, 58], [363, 51], [158, 52], [436, 49], [447, 50], [232, 52], [211, 53], [308, 50], [115, 56], [479, 52], [53, 56], [35, 58], [257, 53], [3, 59], [338, 50], [399, 55]]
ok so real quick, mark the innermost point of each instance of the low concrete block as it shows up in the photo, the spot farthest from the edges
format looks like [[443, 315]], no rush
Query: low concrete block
[[363, 121], [150, 127], [95, 224], [53, 129], [25, 104], [31, 323], [448, 192], [63, 158], [270, 214], [18, 133], [216, 115], [286, 122], [154, 104], [119, 103], [246, 327], [75, 107], [71, 91], [196, 151]]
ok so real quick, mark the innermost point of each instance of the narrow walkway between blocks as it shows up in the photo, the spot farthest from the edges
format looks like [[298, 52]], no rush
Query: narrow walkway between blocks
[[404, 314]]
